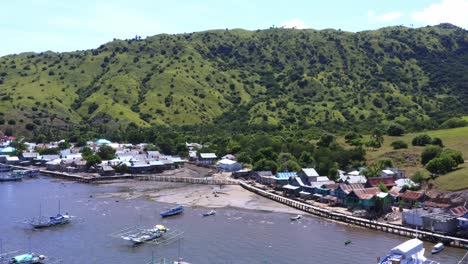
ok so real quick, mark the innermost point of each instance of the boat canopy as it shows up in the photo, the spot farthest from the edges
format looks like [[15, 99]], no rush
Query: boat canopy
[[23, 258], [409, 248], [161, 227]]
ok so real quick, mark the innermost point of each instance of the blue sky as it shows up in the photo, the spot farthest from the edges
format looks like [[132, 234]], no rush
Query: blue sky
[[61, 25]]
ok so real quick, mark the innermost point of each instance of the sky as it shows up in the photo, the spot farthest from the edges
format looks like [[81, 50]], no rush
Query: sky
[[65, 25]]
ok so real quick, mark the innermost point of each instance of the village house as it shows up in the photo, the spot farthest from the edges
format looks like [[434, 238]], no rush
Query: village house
[[29, 156], [344, 190], [410, 199], [229, 165], [206, 159], [264, 177], [375, 181], [106, 171], [12, 160], [461, 212]]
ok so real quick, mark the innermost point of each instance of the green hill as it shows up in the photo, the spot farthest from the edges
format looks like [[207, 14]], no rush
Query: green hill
[[291, 79]]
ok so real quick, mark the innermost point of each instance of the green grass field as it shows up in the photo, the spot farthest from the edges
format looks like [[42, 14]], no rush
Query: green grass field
[[408, 159]]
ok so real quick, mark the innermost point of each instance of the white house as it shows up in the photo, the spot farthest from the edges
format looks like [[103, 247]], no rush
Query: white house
[[229, 165]]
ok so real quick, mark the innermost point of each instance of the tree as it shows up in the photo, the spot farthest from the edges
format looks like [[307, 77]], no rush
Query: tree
[[437, 141], [421, 140], [382, 187], [377, 136], [325, 140], [289, 165], [266, 165], [399, 144], [441, 165], [395, 130], [92, 160], [64, 145], [350, 136], [86, 151], [244, 157], [456, 155], [106, 152], [429, 153]]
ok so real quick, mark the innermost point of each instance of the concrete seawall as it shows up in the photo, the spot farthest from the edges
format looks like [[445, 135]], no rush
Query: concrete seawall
[[389, 228]]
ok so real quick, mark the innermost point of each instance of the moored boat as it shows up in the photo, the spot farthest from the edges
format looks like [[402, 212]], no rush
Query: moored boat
[[173, 211], [212, 212], [28, 259], [297, 217], [59, 219], [409, 252], [10, 177], [144, 235], [437, 248]]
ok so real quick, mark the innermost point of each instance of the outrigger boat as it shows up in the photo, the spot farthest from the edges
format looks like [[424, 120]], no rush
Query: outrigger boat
[[297, 217], [212, 212], [173, 211], [26, 173], [145, 235]]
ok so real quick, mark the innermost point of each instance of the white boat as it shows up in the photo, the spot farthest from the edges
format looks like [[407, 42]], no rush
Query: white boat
[[409, 252], [437, 248], [297, 217]]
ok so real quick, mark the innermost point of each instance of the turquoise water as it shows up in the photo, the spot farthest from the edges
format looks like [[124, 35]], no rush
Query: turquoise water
[[230, 236]]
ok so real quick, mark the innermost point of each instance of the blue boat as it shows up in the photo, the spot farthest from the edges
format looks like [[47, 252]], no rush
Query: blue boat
[[173, 211], [60, 219]]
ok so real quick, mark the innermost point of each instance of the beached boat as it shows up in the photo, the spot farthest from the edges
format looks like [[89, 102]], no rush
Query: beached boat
[[4, 168], [26, 173], [28, 259], [144, 235], [297, 217], [10, 177], [59, 219], [173, 211], [409, 252], [212, 212], [437, 248]]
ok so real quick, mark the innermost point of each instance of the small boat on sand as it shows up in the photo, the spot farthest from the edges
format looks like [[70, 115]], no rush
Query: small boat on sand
[[437, 248], [297, 217], [173, 211], [212, 212], [28, 258]]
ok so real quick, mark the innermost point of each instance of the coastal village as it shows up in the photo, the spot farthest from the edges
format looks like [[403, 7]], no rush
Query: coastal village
[[391, 198]]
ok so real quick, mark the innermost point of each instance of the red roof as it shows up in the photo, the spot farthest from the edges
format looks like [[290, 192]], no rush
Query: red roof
[[459, 211], [388, 182], [436, 205], [411, 195], [367, 193]]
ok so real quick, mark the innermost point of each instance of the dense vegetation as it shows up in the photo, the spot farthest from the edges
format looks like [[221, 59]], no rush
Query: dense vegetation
[[300, 82]]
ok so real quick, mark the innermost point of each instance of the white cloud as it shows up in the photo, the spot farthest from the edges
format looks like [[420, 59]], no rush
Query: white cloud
[[295, 23], [447, 11], [385, 17]]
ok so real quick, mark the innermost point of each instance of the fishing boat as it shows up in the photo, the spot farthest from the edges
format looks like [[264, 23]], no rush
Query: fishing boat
[[409, 252], [59, 219], [144, 235], [347, 242], [30, 258], [173, 211], [437, 248], [297, 217], [212, 212], [26, 173], [4, 167]]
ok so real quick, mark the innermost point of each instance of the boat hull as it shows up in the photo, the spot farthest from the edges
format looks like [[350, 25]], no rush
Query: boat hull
[[173, 211]]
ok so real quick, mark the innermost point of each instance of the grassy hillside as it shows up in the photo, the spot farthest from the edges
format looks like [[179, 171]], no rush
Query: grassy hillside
[[292, 79], [408, 159]]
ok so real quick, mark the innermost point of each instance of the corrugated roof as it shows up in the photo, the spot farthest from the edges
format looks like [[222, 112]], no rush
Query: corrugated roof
[[459, 211], [367, 193], [285, 175], [436, 205], [264, 173], [332, 186], [411, 195], [347, 188], [395, 190], [208, 155], [310, 172], [385, 180]]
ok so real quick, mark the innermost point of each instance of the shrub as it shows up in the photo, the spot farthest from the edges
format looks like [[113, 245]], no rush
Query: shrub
[[421, 140], [395, 130], [454, 122], [429, 153], [399, 144], [441, 165]]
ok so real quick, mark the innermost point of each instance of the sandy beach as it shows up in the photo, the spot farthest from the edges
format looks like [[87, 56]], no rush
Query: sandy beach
[[210, 196]]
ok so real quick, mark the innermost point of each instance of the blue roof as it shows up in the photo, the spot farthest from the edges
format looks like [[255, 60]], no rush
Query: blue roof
[[8, 150], [285, 175]]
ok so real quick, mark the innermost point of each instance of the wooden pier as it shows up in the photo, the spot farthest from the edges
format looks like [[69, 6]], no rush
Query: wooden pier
[[389, 228], [191, 180]]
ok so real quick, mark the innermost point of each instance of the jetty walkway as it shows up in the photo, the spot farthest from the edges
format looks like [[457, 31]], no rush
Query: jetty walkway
[[141, 177], [389, 228]]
